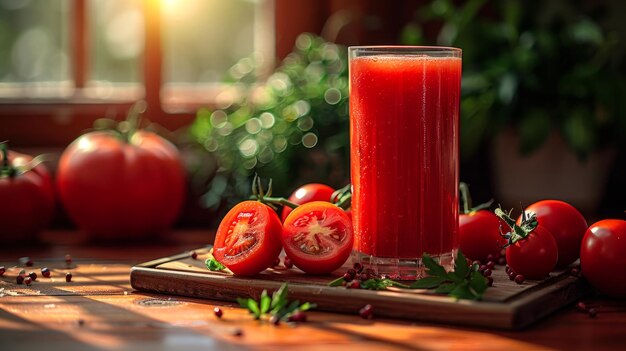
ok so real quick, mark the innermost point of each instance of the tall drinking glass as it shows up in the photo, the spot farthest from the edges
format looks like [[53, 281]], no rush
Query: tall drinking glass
[[404, 138]]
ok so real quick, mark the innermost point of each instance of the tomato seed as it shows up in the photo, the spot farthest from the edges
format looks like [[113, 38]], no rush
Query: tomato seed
[[275, 320], [491, 265], [27, 280], [490, 257], [477, 262], [487, 272], [19, 279], [502, 261], [354, 285], [2, 270], [519, 279], [287, 262], [574, 272], [348, 277], [218, 312], [45, 272], [68, 259], [482, 268], [68, 277], [297, 317], [32, 275], [367, 312], [581, 307], [593, 313], [358, 267], [364, 276], [26, 261], [194, 255], [489, 281]]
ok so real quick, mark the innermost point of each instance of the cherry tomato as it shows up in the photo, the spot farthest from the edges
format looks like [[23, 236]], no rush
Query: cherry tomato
[[248, 238], [26, 198], [317, 237], [535, 256], [565, 223], [116, 188], [308, 193], [603, 256], [479, 235]]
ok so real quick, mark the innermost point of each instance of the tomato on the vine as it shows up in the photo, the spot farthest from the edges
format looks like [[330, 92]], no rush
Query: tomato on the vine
[[566, 224], [531, 250], [318, 237], [26, 196], [603, 256], [248, 238], [308, 193], [121, 186]]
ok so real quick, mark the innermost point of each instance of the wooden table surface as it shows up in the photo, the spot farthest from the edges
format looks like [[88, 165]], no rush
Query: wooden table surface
[[100, 311]]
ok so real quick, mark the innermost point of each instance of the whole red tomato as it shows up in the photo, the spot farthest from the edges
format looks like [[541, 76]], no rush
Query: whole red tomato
[[535, 256], [116, 187], [318, 237], [26, 197], [308, 193], [248, 238], [479, 235], [565, 223], [603, 256]]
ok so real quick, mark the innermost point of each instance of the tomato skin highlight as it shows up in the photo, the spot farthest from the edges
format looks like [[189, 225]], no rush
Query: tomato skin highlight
[[479, 235], [257, 219], [115, 189], [535, 256], [323, 226], [26, 201], [566, 224], [308, 193], [603, 257]]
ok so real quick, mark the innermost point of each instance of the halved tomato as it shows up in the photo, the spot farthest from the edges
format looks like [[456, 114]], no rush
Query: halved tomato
[[248, 238], [317, 237]]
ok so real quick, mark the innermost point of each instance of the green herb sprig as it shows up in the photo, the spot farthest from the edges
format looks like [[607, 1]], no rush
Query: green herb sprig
[[277, 305], [465, 282], [212, 264]]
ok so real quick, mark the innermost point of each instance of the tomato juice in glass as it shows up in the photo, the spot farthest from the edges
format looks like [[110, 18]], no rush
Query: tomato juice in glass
[[404, 132]]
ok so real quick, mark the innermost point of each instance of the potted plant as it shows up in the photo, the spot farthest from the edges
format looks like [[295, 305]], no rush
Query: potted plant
[[540, 85]]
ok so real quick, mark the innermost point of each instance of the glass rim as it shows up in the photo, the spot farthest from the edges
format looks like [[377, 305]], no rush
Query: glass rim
[[410, 49]]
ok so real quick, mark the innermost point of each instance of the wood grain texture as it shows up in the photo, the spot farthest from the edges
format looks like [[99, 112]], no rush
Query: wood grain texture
[[505, 306]]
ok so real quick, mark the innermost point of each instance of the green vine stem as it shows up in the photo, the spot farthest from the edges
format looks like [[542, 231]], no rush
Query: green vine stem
[[342, 197], [7, 169], [518, 231], [259, 194], [466, 200]]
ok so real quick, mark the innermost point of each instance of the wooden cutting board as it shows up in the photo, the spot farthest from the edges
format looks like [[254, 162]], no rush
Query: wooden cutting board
[[506, 305]]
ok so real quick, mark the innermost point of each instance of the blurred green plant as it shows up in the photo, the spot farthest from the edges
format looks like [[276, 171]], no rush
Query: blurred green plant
[[266, 127], [536, 66]]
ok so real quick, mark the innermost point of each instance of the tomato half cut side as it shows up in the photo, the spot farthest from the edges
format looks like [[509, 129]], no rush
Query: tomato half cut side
[[248, 238], [317, 237]]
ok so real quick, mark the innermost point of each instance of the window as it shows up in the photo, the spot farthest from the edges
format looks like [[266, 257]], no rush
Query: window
[[90, 52]]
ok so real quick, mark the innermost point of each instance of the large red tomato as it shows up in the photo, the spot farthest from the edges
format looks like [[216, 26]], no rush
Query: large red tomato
[[117, 188], [603, 256], [565, 223], [479, 234], [26, 198]]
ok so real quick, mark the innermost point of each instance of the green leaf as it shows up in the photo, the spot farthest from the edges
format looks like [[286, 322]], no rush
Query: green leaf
[[433, 268], [214, 265], [427, 283], [445, 288], [279, 298], [265, 302], [461, 269], [253, 307], [463, 292], [243, 302], [478, 283], [307, 306]]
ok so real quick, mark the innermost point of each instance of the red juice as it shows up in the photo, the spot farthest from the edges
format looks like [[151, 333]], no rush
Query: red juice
[[404, 131]]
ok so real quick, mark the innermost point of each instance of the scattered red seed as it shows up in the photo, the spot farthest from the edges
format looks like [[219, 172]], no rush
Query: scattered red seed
[[237, 332], [68, 259], [348, 277], [581, 307], [476, 262], [482, 268], [574, 272], [487, 272], [490, 257], [351, 272], [287, 262], [275, 320], [19, 279], [68, 277], [491, 265], [367, 312], [194, 255], [28, 280], [2, 270], [358, 267], [355, 284], [519, 279], [507, 269], [593, 313], [364, 276], [81, 322], [502, 252], [297, 317], [502, 261], [489, 281], [25, 261], [218, 312], [32, 275], [45, 272]]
